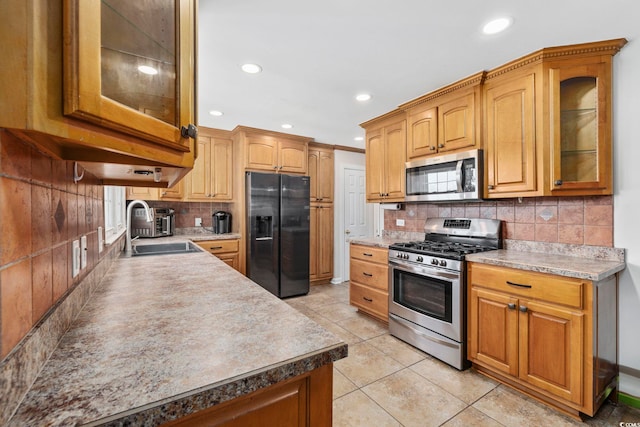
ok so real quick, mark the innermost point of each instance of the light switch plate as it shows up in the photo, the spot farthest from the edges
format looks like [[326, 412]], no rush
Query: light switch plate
[[75, 258], [83, 252], [100, 240], [400, 222], [198, 222]]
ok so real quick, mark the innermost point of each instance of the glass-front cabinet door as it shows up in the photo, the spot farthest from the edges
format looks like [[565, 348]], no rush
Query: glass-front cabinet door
[[130, 67], [581, 129]]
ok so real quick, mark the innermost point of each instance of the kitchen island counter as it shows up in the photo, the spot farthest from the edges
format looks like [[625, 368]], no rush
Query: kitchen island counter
[[168, 335]]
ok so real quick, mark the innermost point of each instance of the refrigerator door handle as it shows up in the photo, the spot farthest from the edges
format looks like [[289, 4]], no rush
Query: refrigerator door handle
[[264, 238]]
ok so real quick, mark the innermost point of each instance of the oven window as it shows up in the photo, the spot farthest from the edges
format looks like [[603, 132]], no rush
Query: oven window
[[423, 294]]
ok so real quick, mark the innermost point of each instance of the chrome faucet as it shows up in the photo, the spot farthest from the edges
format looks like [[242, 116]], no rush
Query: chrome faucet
[[127, 246]]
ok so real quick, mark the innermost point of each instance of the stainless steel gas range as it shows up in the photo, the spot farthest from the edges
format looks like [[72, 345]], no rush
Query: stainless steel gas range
[[427, 295]]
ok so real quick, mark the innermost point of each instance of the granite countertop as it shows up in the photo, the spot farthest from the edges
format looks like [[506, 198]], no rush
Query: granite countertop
[[380, 242], [591, 263], [166, 335], [563, 265]]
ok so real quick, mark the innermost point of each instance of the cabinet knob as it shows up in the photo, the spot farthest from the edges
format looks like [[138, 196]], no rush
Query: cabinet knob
[[440, 145], [432, 148], [558, 182], [275, 168], [280, 168], [491, 187], [523, 308], [511, 306], [189, 131]]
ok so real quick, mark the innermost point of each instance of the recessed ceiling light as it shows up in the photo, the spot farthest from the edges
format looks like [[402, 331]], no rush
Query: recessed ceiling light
[[359, 138], [363, 97], [497, 25], [147, 70], [216, 113], [251, 68], [287, 126]]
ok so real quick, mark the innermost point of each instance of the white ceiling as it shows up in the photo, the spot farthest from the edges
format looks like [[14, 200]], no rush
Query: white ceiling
[[316, 56]]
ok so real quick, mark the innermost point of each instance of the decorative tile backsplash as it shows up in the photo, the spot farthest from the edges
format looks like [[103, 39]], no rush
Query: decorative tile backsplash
[[41, 212], [569, 220]]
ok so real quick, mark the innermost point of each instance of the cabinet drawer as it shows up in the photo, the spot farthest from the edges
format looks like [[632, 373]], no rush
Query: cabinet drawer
[[373, 301], [219, 246], [542, 287], [370, 253], [367, 273]]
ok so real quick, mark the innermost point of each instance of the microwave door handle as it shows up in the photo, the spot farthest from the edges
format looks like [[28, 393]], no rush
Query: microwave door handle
[[459, 176]]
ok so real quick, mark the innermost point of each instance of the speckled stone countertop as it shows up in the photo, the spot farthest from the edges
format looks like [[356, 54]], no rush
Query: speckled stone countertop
[[563, 265], [167, 335], [380, 242]]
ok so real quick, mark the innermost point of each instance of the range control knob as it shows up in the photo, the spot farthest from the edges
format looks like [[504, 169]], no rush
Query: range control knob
[[406, 256], [443, 263], [434, 261], [398, 255], [419, 259]]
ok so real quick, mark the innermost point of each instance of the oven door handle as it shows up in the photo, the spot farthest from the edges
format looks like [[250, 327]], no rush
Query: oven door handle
[[429, 272], [400, 321]]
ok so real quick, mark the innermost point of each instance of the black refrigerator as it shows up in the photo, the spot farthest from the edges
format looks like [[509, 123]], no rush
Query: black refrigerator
[[278, 232]]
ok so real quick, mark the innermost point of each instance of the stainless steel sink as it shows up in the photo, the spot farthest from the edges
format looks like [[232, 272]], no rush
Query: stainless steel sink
[[165, 249]]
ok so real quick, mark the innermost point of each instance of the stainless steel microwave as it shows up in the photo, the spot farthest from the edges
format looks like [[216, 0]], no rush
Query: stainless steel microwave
[[448, 177]]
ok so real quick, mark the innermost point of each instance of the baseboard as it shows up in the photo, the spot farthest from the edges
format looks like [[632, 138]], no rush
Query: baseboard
[[336, 280], [629, 400]]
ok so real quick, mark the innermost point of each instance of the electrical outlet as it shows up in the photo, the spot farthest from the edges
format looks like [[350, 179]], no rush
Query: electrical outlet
[[83, 252], [100, 240], [75, 258], [400, 222], [198, 222]]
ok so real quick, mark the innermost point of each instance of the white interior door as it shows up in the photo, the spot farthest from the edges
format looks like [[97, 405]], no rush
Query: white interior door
[[357, 214]]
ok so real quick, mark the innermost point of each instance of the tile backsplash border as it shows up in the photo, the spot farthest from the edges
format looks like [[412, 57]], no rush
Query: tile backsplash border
[[22, 365]]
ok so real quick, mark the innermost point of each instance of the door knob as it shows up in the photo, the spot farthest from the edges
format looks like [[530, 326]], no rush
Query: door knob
[[347, 231]]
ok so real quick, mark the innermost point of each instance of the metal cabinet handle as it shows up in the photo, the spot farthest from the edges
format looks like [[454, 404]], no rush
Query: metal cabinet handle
[[440, 145], [511, 306], [518, 284], [366, 254], [367, 274], [189, 131], [215, 247], [523, 308], [367, 299]]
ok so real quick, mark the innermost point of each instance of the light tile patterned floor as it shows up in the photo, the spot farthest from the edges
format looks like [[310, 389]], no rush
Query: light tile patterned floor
[[386, 382]]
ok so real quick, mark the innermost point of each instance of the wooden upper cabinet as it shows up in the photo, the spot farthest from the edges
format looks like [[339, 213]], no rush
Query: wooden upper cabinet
[[385, 156], [581, 153], [211, 177], [510, 135], [448, 119], [275, 154], [320, 171], [131, 71], [71, 71], [422, 133], [548, 122]]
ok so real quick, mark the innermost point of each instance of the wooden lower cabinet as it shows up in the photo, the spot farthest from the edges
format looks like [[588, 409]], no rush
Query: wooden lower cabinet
[[304, 400], [321, 243], [545, 335], [226, 250], [369, 280]]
